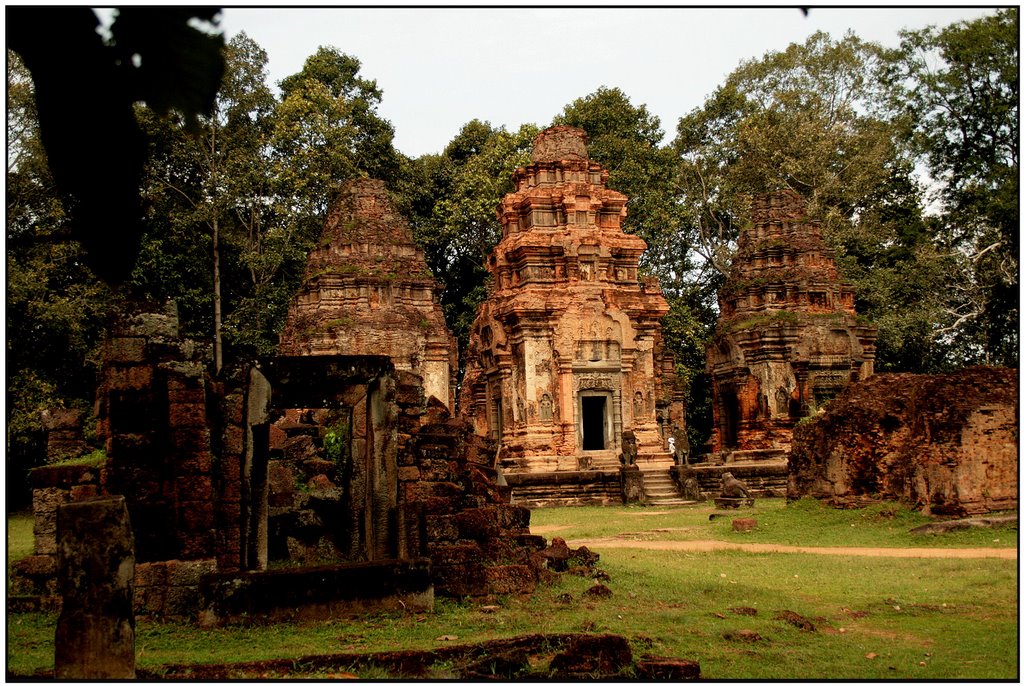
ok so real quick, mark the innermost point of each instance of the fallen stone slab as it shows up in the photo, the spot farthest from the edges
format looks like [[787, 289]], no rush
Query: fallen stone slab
[[744, 524], [666, 668], [961, 524], [748, 635], [592, 656], [572, 655]]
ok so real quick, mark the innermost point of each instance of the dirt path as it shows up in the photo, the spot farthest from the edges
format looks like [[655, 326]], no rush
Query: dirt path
[[706, 546]]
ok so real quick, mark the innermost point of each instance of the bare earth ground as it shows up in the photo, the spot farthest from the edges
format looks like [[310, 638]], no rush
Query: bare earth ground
[[707, 546], [704, 546]]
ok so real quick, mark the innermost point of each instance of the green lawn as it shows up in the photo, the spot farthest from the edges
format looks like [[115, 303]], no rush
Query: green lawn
[[805, 522], [19, 536], [875, 618]]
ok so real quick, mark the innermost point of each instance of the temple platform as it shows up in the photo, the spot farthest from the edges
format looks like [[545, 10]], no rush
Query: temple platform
[[765, 473]]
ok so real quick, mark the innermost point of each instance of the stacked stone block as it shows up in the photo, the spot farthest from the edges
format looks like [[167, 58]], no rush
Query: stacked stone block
[[65, 434], [53, 486], [454, 511], [152, 419], [170, 588], [228, 403]]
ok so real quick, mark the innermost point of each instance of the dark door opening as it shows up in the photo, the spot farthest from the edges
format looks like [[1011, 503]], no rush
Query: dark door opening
[[730, 419], [593, 410]]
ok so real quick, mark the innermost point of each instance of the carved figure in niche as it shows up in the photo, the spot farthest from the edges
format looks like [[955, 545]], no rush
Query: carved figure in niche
[[628, 455], [782, 402], [620, 274], [584, 271], [521, 406], [638, 404], [545, 408], [733, 487], [679, 445]]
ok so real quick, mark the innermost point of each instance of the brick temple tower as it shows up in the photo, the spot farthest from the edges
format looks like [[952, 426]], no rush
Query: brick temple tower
[[788, 337], [367, 291], [566, 353]]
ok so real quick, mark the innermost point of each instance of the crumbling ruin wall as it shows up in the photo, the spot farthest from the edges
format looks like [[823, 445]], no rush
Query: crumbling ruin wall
[[153, 421], [65, 434], [945, 443], [53, 486], [433, 492], [455, 511]]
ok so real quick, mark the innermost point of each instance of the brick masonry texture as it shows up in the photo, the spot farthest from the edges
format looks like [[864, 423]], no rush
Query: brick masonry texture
[[946, 443]]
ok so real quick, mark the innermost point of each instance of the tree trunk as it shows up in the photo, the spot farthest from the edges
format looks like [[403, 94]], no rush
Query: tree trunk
[[218, 355]]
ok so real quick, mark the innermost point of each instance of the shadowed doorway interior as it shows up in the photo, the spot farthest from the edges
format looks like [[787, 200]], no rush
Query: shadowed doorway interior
[[593, 411]]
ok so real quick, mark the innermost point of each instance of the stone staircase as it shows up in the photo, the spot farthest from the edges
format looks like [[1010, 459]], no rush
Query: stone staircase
[[658, 483], [661, 489], [604, 460]]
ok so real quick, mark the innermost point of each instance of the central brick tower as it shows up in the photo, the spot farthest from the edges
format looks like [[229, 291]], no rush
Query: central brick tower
[[567, 353]]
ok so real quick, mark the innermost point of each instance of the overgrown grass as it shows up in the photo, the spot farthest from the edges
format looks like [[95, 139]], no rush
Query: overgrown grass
[[876, 618], [804, 522], [20, 541], [93, 459]]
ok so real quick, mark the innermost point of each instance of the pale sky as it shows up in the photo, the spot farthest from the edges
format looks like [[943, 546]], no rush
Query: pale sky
[[440, 68]]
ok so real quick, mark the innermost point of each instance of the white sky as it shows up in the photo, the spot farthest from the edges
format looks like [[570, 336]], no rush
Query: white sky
[[440, 68]]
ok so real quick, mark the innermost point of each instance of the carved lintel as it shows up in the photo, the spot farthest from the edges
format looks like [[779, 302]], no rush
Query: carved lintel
[[600, 382]]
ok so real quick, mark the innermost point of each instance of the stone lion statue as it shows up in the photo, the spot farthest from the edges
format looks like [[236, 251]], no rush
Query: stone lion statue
[[733, 487]]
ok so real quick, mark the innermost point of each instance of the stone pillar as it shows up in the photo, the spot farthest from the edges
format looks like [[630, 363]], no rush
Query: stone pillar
[[95, 636], [631, 479]]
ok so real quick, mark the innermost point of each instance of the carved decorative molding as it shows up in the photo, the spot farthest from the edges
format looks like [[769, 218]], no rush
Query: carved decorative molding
[[599, 382]]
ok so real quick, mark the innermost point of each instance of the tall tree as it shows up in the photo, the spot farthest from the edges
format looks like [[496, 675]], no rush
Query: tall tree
[[85, 89], [212, 179], [457, 222], [56, 307], [327, 130], [813, 118], [960, 88], [802, 118]]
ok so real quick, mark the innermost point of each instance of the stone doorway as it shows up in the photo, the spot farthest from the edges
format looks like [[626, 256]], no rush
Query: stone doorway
[[730, 418], [333, 471], [594, 421]]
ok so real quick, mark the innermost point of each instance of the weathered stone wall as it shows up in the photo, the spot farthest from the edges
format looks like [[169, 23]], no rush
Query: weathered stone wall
[[452, 509], [153, 422], [171, 588], [65, 434], [945, 443]]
